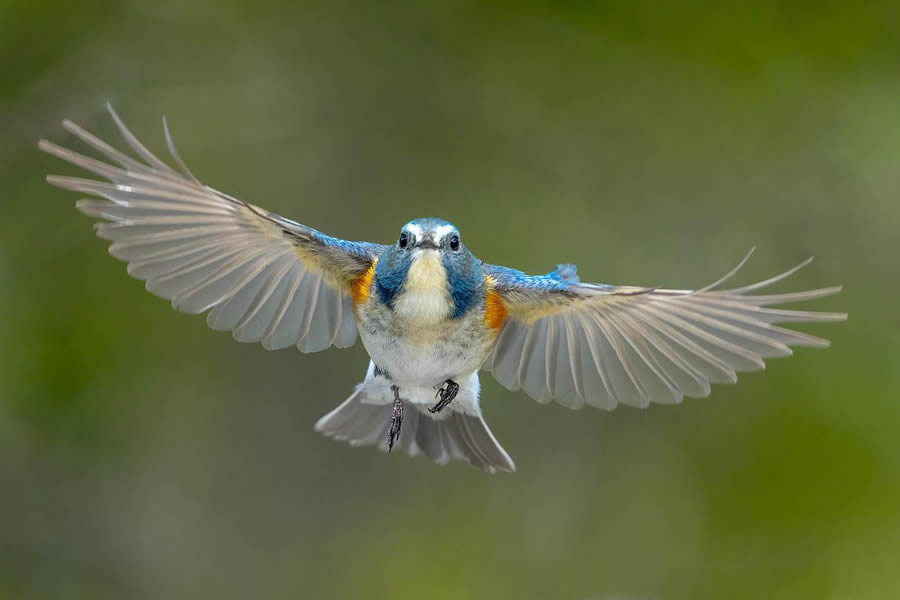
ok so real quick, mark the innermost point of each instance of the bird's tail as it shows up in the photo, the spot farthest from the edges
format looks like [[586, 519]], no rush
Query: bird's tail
[[457, 436]]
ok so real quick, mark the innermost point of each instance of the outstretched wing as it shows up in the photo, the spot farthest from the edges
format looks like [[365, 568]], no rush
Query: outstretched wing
[[265, 277], [602, 345]]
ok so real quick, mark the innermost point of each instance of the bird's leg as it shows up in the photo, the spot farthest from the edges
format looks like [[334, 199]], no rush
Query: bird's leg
[[396, 419], [447, 393]]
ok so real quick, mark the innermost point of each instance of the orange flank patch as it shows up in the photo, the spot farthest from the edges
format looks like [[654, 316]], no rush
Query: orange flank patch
[[494, 309], [360, 287]]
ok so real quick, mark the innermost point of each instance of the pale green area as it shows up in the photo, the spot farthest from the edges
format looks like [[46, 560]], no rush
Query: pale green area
[[143, 456]]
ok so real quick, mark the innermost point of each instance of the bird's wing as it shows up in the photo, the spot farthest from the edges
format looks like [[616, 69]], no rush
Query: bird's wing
[[266, 278], [601, 345]]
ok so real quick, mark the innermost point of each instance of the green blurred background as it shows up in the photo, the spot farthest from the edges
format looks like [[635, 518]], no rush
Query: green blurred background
[[144, 456]]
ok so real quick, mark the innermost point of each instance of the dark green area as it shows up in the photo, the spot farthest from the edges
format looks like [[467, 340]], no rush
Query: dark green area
[[143, 456]]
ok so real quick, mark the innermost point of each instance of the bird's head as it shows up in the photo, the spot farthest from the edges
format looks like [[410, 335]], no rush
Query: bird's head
[[430, 259], [438, 235]]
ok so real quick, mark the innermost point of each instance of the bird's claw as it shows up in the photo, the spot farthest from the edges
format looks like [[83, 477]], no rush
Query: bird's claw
[[447, 393], [396, 419]]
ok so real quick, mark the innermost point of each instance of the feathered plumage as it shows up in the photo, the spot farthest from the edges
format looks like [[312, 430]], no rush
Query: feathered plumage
[[429, 312]]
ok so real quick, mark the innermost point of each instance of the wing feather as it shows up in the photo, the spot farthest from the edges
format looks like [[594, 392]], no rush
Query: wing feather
[[261, 276], [602, 395], [602, 345]]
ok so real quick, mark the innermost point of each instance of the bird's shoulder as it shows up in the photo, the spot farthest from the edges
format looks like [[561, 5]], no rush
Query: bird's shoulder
[[563, 278]]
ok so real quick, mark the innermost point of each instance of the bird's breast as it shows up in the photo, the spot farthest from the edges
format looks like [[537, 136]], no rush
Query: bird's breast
[[425, 298], [417, 338]]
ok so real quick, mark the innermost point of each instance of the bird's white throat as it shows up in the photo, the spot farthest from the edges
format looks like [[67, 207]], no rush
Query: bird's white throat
[[425, 298]]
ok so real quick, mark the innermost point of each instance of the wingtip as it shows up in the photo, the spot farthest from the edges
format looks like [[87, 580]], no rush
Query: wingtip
[[115, 116], [771, 280], [320, 424], [507, 468], [729, 274], [173, 152]]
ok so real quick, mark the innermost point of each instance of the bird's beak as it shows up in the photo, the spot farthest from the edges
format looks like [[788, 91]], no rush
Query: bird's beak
[[427, 242]]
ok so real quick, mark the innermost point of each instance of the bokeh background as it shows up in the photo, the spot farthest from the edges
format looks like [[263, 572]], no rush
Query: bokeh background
[[144, 456]]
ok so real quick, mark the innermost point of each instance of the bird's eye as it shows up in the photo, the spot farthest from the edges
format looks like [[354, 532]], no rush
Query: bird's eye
[[454, 243], [404, 240]]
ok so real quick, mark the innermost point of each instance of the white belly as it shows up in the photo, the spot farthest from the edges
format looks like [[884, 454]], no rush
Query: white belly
[[418, 358], [417, 345], [425, 358]]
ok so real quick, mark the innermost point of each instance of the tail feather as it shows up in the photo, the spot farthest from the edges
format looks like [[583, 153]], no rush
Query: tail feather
[[458, 436]]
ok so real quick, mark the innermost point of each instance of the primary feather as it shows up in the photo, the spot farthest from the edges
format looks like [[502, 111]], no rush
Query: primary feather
[[266, 278], [604, 345]]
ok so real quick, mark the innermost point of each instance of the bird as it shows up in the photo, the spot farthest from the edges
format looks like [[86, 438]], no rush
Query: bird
[[430, 314]]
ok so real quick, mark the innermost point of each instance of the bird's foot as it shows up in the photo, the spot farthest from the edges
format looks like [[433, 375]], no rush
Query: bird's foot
[[447, 393], [396, 419]]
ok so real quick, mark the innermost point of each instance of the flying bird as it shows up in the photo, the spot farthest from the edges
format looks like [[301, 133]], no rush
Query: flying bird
[[430, 314]]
